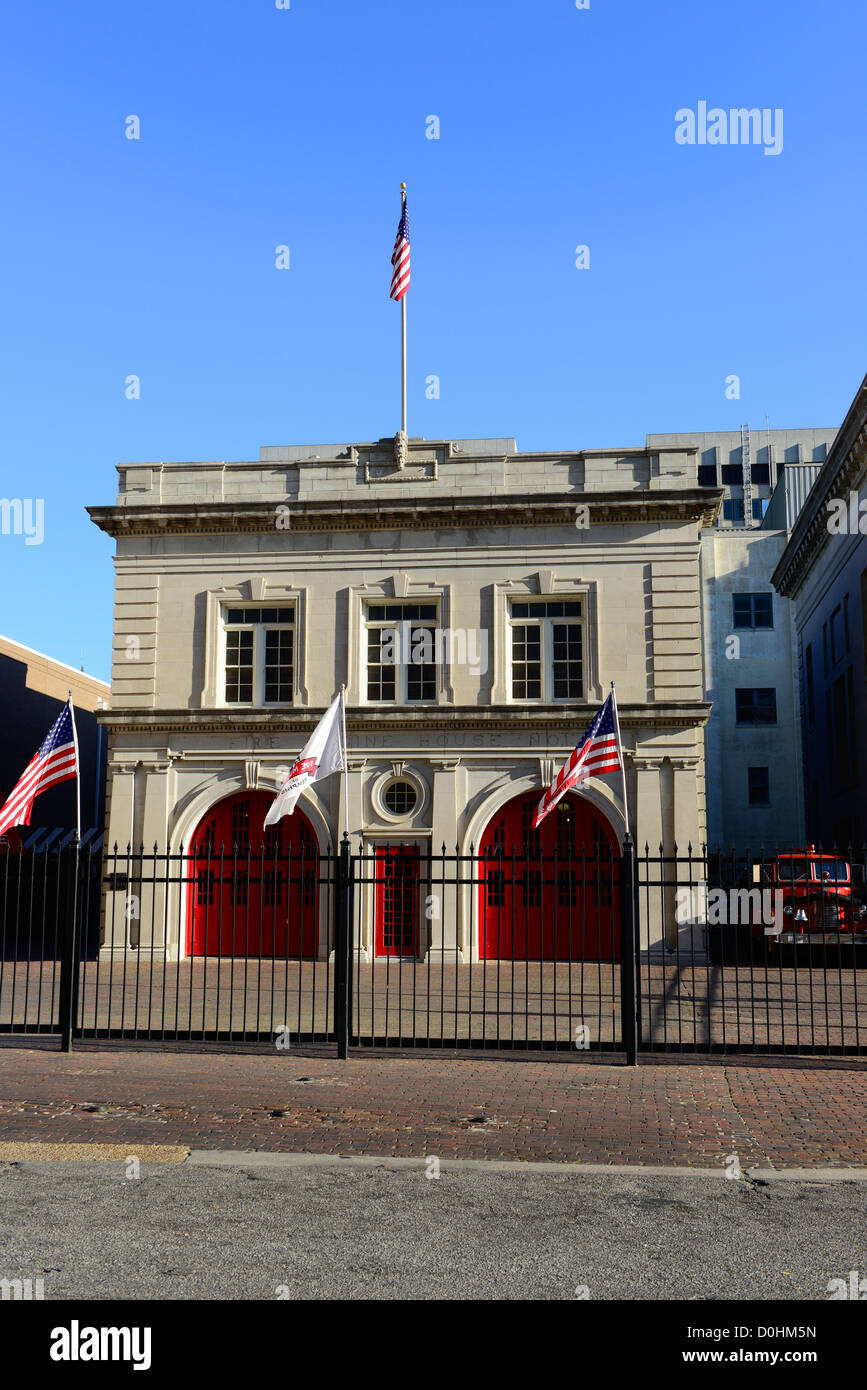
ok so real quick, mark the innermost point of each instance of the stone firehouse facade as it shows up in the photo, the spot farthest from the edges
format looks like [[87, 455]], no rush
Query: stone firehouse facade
[[475, 602]]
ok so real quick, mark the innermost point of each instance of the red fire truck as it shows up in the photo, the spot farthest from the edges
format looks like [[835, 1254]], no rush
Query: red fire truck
[[819, 903]]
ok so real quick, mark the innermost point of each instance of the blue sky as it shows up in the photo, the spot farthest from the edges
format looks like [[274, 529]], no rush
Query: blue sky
[[263, 126]]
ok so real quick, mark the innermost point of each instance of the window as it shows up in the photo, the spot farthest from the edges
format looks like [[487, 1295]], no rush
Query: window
[[836, 635], [759, 786], [752, 610], [547, 649], [259, 655], [811, 688], [756, 706], [732, 473], [760, 506], [401, 652], [400, 798], [733, 510], [761, 474], [707, 475]]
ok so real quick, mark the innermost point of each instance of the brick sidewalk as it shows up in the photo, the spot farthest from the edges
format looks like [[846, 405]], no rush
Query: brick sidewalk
[[464, 1107]]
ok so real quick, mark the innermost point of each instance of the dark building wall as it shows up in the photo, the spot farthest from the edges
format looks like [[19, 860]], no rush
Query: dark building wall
[[27, 715]]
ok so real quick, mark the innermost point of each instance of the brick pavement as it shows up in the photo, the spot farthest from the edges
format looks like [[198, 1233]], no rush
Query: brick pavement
[[454, 1107]]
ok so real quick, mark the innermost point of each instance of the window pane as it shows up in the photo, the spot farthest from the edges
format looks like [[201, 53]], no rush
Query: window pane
[[279, 646], [566, 670], [381, 670], [742, 610], [763, 611], [239, 666], [421, 683], [527, 662]]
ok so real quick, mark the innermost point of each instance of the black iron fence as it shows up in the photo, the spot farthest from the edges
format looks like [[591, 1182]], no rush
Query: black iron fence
[[395, 946]]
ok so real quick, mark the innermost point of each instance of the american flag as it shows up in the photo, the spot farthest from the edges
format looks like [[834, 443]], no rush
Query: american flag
[[56, 761], [400, 258], [597, 753]]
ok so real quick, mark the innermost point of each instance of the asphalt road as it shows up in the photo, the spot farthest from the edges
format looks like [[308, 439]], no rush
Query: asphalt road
[[321, 1231]]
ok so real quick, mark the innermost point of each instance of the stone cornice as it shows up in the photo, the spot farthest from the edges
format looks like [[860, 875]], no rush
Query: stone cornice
[[365, 514], [688, 714], [845, 464]]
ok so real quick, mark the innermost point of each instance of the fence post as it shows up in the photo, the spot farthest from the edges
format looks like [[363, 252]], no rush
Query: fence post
[[627, 952], [343, 950], [68, 1000]]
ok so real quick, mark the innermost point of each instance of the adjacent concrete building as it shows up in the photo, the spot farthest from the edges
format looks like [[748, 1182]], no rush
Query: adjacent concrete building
[[33, 690], [754, 765], [823, 572]]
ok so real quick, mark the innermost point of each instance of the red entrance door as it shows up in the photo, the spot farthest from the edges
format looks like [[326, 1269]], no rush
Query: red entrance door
[[549, 894], [253, 892], [397, 900]]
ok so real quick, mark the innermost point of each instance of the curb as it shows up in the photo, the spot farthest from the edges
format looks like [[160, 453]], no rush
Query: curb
[[236, 1158]]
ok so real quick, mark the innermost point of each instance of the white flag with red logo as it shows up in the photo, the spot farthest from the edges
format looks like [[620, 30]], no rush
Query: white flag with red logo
[[324, 753]]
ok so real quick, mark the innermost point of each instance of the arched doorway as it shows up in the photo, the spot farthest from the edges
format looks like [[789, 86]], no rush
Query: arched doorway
[[253, 892], [551, 893]]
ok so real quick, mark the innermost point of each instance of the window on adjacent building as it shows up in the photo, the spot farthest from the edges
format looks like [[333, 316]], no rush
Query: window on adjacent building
[[757, 705], [733, 510], [836, 635], [864, 616], [761, 474], [259, 655], [547, 649], [707, 475], [401, 652], [760, 506], [752, 610], [811, 688], [759, 786], [732, 474]]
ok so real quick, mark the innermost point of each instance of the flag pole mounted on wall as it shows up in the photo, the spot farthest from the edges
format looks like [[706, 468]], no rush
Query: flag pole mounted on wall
[[399, 287]]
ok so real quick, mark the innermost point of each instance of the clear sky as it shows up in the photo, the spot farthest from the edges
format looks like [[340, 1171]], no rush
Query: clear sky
[[262, 126]]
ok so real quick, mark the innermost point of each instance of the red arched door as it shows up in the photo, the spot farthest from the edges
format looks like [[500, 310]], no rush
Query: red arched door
[[551, 893], [253, 892]]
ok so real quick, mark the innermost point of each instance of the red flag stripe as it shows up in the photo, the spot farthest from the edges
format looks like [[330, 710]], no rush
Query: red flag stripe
[[33, 775]]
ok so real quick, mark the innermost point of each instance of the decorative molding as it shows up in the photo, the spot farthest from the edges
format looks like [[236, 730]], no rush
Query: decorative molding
[[547, 770], [638, 508], [545, 580], [686, 714], [252, 769]]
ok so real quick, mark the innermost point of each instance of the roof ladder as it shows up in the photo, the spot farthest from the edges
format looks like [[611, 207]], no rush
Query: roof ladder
[[746, 461]]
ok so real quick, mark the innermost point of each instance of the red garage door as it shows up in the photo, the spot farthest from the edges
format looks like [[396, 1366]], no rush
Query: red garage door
[[549, 894], [253, 892]]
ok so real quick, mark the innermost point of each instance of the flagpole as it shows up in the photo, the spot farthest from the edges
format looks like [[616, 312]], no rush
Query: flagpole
[[344, 791], [622, 760], [77, 768], [403, 334]]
